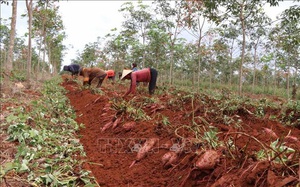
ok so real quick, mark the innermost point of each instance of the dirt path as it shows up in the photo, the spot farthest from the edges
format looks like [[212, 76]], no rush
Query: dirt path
[[110, 153]]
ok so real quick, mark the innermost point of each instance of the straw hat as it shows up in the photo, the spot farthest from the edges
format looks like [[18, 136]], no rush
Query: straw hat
[[126, 72]]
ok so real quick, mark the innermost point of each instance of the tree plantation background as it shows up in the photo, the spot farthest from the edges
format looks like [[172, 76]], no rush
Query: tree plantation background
[[196, 45]]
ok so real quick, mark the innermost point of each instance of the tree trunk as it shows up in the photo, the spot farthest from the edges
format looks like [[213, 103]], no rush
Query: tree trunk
[[199, 51], [43, 38], [210, 73], [9, 62], [230, 65], [171, 64], [243, 50], [29, 9], [294, 91], [254, 68], [44, 56], [275, 77], [288, 81], [49, 59]]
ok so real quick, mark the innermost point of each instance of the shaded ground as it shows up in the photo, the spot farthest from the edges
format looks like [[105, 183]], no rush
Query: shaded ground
[[111, 152]]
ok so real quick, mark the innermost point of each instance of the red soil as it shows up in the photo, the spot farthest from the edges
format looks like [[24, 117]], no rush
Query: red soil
[[111, 152]]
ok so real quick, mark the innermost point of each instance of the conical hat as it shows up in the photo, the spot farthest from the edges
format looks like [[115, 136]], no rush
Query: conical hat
[[126, 72]]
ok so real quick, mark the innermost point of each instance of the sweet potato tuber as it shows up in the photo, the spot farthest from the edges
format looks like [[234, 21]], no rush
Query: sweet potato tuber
[[148, 145], [166, 157], [169, 158], [107, 126], [291, 139], [116, 122], [106, 107], [103, 114], [129, 125], [208, 160], [271, 133]]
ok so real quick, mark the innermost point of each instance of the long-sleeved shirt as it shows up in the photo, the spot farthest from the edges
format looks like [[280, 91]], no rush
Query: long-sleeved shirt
[[90, 73], [138, 76], [73, 68]]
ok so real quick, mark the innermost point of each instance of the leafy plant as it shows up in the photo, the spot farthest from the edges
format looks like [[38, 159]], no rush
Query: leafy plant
[[278, 147], [135, 112], [165, 120], [47, 147], [210, 137]]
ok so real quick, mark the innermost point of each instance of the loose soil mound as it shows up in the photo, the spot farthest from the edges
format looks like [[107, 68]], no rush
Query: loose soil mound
[[178, 123]]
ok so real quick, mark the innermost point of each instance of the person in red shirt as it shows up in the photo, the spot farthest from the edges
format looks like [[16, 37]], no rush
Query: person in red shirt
[[110, 74], [89, 74], [148, 75]]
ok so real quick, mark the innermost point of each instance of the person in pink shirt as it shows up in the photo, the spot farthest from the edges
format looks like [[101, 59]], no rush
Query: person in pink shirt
[[148, 75]]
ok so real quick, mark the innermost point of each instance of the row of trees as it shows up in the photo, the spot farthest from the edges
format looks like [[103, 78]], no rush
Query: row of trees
[[231, 42], [45, 30]]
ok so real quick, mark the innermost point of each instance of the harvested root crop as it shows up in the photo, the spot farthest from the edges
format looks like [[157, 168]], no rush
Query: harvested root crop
[[169, 159], [208, 160], [271, 133], [148, 145], [107, 126], [129, 125], [116, 122]]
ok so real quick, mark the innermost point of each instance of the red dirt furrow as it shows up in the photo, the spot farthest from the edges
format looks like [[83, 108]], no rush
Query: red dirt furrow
[[110, 153]]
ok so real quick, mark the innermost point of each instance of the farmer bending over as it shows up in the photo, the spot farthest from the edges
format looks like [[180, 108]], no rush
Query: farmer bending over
[[89, 74], [73, 68], [147, 75], [110, 74]]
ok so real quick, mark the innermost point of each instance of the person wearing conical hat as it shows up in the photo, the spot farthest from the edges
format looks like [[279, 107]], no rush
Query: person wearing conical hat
[[89, 74], [148, 75]]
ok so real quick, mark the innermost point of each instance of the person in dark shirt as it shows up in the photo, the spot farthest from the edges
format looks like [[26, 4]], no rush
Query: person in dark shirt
[[147, 75], [89, 74], [73, 68]]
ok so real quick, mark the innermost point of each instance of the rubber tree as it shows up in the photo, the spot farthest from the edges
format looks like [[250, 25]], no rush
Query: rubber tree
[[4, 43], [290, 41], [157, 46], [137, 21], [195, 19], [257, 31], [172, 16], [9, 62], [240, 9], [40, 15], [88, 56], [29, 5], [229, 35], [113, 49], [222, 58], [119, 47]]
